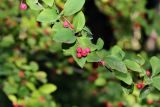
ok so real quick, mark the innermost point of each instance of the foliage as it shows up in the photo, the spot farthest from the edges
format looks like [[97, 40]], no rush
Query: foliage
[[30, 45]]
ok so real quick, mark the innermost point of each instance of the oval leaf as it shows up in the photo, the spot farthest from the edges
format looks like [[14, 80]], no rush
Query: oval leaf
[[156, 82], [125, 77], [33, 4], [99, 44], [133, 65], [155, 65], [93, 57], [116, 64], [49, 2], [65, 36], [47, 88], [73, 6], [47, 16], [79, 21]]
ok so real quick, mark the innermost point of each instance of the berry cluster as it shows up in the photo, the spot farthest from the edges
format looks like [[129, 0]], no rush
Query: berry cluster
[[82, 52]]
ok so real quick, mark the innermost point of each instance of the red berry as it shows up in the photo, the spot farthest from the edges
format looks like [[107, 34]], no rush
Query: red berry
[[71, 60], [120, 104], [79, 55], [88, 50], [23, 6], [107, 104], [65, 24], [42, 99], [21, 74], [140, 85], [91, 78], [84, 53], [15, 105], [46, 32], [79, 50], [149, 101], [148, 73]]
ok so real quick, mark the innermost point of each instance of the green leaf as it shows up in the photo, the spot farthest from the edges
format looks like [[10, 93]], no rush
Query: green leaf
[[47, 15], [133, 65], [47, 88], [7, 41], [100, 44], [93, 57], [73, 6], [125, 77], [155, 65], [102, 54], [117, 51], [49, 2], [64, 35], [30, 85], [85, 42], [115, 64], [140, 60], [34, 66], [144, 92], [34, 5], [10, 89], [86, 29], [79, 21], [100, 81], [156, 82], [57, 26]]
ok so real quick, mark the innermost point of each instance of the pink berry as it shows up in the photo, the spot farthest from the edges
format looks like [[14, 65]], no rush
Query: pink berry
[[79, 55], [140, 85], [148, 73], [79, 50], [23, 6], [84, 53], [66, 24], [88, 50], [150, 101]]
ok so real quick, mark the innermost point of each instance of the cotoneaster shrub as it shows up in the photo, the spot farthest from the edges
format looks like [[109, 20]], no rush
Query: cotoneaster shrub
[[136, 74]]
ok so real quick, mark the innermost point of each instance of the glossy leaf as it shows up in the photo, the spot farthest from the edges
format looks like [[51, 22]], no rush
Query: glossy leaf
[[64, 36], [93, 57], [73, 6], [49, 2], [48, 15], [156, 82], [115, 64], [47, 88], [79, 21], [85, 42], [117, 51], [33, 4], [125, 77], [100, 44], [154, 61], [133, 65]]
